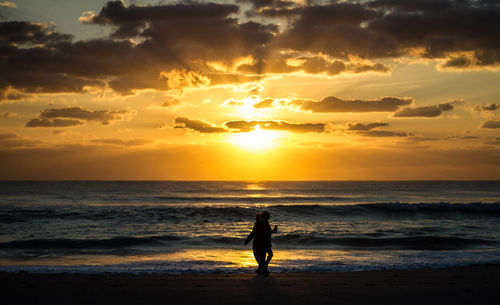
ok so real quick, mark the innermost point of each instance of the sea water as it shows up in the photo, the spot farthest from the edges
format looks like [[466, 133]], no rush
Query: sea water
[[200, 226]]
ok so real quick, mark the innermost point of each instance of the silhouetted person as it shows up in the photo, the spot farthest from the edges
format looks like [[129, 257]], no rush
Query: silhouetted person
[[261, 235]]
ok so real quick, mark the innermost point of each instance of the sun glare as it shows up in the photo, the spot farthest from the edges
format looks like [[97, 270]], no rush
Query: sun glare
[[257, 139]]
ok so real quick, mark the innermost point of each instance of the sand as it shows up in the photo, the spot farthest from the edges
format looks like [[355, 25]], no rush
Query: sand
[[467, 285]]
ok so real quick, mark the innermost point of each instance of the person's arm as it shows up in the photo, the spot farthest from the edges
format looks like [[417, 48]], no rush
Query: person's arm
[[250, 236], [275, 229]]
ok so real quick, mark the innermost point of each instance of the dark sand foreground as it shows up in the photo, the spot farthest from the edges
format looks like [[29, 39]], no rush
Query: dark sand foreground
[[469, 285]]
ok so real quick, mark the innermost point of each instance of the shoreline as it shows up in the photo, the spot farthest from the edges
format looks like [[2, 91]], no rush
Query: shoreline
[[455, 285]]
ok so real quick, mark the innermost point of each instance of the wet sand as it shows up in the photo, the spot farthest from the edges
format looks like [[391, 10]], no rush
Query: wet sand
[[467, 285]]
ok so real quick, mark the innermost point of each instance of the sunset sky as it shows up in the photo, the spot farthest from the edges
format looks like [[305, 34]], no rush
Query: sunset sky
[[250, 90]]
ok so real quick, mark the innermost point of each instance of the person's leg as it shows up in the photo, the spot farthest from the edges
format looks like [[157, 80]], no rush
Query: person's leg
[[269, 256], [260, 257]]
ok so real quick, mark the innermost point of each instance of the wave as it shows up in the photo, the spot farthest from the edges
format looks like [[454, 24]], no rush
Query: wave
[[110, 243], [364, 208], [399, 243], [250, 199], [241, 213], [305, 241]]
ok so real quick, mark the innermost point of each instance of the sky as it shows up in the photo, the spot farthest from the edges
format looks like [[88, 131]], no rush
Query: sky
[[250, 90]]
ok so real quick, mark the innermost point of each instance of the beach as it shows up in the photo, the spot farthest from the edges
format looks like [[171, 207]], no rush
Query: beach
[[460, 285]]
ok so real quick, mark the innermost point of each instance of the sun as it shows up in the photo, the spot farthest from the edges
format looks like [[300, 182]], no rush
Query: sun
[[257, 139]]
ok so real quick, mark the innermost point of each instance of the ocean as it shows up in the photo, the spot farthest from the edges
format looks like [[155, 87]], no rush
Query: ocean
[[200, 226]]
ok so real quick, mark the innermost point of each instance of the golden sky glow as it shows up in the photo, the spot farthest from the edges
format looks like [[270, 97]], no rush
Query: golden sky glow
[[249, 90]]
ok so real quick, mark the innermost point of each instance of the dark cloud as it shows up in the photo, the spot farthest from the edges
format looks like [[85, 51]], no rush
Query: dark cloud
[[52, 123], [170, 102], [197, 125], [247, 126], [333, 104], [119, 142], [491, 124], [488, 107], [383, 29], [150, 42], [231, 78], [45, 69], [278, 63], [265, 103], [426, 111], [446, 106], [72, 116], [200, 29], [422, 139], [383, 133], [29, 32], [10, 94], [267, 7], [104, 117], [268, 3], [173, 37], [364, 127]]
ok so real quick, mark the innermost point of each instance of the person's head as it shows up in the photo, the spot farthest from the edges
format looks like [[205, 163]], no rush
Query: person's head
[[258, 217], [265, 215]]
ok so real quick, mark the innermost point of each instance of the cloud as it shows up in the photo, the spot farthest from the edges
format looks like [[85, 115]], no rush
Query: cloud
[[422, 139], [491, 124], [104, 117], [52, 123], [495, 141], [10, 94], [180, 79], [6, 136], [268, 3], [441, 29], [256, 102], [30, 32], [170, 102], [47, 63], [265, 103], [160, 47], [72, 116], [291, 62], [119, 142], [14, 140], [197, 125], [169, 46], [7, 115], [334, 104], [204, 29], [383, 133], [488, 107], [364, 127], [8, 4], [247, 126], [232, 102], [426, 111]]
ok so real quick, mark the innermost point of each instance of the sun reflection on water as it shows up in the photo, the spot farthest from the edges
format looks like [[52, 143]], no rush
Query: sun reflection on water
[[254, 187]]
